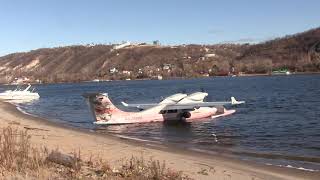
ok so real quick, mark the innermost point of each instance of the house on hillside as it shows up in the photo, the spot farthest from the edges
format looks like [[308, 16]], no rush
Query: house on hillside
[[166, 67], [20, 80], [210, 55], [126, 72], [113, 70]]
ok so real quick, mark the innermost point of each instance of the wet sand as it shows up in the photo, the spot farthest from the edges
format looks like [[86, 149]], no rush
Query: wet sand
[[116, 149]]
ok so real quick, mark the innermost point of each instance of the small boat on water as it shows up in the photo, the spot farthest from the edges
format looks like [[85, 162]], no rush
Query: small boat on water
[[20, 94], [281, 72]]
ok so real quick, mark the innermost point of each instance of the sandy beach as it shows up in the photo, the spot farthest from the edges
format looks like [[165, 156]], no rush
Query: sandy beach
[[116, 149]]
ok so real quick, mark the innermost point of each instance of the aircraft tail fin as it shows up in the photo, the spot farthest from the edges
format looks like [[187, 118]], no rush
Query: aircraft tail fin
[[101, 106]]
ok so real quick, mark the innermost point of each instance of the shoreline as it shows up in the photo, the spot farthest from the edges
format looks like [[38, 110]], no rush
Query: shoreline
[[171, 78], [114, 149]]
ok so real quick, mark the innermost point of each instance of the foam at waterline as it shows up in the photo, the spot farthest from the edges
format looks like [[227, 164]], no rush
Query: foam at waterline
[[136, 139], [23, 111], [16, 104], [293, 167], [269, 164]]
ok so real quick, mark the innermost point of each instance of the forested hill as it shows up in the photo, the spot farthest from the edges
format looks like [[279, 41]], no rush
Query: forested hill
[[299, 52]]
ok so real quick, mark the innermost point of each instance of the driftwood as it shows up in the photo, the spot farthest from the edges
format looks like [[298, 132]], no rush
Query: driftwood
[[38, 129], [64, 159]]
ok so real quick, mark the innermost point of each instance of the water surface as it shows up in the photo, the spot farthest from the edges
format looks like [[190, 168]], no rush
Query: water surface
[[279, 124]]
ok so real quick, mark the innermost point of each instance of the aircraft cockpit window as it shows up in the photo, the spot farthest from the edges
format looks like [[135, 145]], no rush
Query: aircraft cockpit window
[[172, 111]]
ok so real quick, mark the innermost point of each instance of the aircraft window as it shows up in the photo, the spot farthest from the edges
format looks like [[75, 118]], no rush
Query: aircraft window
[[169, 111], [172, 111]]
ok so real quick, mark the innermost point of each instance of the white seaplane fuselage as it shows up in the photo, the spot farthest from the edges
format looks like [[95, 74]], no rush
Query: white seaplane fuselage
[[106, 113]]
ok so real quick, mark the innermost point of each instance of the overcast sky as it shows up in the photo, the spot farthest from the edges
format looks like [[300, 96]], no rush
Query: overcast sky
[[32, 24]]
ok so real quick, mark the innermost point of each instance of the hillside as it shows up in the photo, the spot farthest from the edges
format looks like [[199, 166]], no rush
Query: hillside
[[299, 52], [78, 63]]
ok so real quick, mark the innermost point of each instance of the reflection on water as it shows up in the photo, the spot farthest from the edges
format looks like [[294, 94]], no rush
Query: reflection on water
[[182, 133], [280, 118]]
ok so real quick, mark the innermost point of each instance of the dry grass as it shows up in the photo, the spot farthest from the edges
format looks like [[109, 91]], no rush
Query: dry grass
[[139, 169], [20, 160], [16, 153]]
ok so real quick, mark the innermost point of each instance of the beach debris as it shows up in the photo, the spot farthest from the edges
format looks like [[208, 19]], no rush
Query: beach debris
[[203, 171], [38, 129], [63, 159], [14, 123], [207, 168]]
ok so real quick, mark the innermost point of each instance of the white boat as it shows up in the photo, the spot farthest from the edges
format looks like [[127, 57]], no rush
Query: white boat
[[18, 94]]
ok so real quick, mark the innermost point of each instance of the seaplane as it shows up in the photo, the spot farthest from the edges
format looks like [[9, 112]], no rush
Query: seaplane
[[177, 107]]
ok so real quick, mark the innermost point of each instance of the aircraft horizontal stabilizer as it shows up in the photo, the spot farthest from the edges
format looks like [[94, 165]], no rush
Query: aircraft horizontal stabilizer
[[125, 104], [139, 106], [235, 102]]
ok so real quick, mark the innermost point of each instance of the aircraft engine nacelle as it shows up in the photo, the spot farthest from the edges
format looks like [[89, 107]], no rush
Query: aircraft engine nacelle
[[173, 99], [195, 97]]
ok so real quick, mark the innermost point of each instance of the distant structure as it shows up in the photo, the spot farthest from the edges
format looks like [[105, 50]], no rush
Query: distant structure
[[20, 80], [125, 44], [156, 43], [167, 67], [126, 72], [210, 55], [113, 70]]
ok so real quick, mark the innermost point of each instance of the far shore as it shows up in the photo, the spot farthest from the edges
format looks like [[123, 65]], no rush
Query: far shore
[[173, 78], [115, 149]]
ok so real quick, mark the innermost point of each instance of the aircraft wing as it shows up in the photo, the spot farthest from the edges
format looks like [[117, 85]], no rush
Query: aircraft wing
[[203, 104], [186, 105]]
